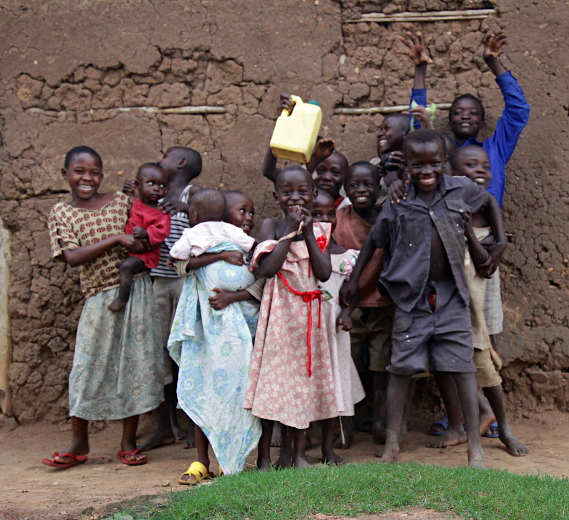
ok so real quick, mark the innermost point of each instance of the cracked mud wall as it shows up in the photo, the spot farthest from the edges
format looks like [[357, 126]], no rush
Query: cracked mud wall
[[66, 85]]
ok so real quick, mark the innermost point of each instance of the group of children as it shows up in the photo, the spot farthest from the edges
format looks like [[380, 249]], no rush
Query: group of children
[[388, 266]]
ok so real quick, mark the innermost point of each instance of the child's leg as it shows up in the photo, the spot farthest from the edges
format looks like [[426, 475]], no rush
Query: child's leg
[[498, 403], [454, 433], [468, 395], [397, 393], [79, 444], [276, 439], [203, 456], [347, 432], [285, 442], [128, 268], [328, 455], [380, 383], [299, 448], [264, 449], [128, 441]]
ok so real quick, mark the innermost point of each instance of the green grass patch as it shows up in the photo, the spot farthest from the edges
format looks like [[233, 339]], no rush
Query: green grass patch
[[357, 489]]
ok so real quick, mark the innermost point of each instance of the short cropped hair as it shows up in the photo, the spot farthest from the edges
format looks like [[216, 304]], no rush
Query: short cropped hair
[[209, 204], [467, 96], [293, 168], [153, 165], [455, 155], [78, 150], [402, 119], [425, 135], [193, 160], [345, 162], [372, 168]]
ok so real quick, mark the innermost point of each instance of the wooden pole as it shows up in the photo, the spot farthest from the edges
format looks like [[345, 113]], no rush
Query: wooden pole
[[381, 110], [429, 16]]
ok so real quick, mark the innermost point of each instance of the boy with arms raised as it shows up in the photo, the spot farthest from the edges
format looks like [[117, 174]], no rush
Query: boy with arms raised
[[424, 248]]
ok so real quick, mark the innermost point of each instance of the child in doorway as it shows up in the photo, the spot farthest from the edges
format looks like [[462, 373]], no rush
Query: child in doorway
[[182, 166], [148, 222], [211, 336], [291, 378], [423, 241], [472, 162], [372, 314], [117, 364]]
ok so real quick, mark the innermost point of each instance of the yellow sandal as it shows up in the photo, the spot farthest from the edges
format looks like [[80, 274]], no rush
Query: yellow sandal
[[199, 473]]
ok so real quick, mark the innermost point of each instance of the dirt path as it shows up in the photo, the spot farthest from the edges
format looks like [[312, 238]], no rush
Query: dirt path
[[31, 490]]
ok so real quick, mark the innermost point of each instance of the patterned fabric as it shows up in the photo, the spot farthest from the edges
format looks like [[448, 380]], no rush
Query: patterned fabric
[[118, 360], [81, 227], [349, 389], [213, 349], [493, 310], [279, 387]]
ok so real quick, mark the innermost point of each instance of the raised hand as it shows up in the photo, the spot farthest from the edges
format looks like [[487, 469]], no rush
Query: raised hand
[[422, 114], [285, 103], [416, 48], [324, 148], [493, 44]]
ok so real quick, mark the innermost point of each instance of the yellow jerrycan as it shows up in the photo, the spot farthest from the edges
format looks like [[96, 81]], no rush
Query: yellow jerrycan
[[295, 133]]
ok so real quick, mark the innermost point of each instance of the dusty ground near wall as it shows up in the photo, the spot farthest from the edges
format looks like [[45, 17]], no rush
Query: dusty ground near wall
[[31, 490]]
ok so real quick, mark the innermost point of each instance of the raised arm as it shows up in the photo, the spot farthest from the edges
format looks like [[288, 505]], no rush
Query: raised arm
[[323, 149], [271, 263], [319, 260], [269, 167], [492, 46]]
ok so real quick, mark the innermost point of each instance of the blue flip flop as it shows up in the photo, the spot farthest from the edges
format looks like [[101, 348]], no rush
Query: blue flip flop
[[491, 435], [443, 421]]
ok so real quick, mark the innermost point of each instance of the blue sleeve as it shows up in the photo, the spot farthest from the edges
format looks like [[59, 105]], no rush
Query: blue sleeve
[[419, 95]]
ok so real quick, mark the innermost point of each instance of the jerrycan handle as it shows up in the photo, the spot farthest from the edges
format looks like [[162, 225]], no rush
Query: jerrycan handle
[[296, 100]]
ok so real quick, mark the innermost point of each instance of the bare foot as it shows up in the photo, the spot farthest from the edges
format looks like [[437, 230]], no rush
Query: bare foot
[[486, 419], [284, 461], [475, 459], [347, 427], [276, 436], [157, 439], [263, 464], [331, 458], [301, 463], [190, 441], [117, 305], [513, 445], [389, 453], [179, 433], [378, 433], [451, 437], [75, 448]]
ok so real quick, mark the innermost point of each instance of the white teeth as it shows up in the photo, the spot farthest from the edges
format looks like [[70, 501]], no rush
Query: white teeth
[[89, 188], [383, 141], [361, 199], [480, 180], [428, 181]]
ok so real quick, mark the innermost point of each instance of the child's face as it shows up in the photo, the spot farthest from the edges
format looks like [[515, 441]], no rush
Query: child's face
[[390, 135], [323, 210], [426, 165], [362, 187], [294, 189], [466, 119], [474, 164], [152, 184], [240, 212], [84, 175], [330, 174], [171, 161]]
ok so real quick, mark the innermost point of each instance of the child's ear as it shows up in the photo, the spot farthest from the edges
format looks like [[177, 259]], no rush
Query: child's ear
[[276, 196], [64, 173], [315, 194]]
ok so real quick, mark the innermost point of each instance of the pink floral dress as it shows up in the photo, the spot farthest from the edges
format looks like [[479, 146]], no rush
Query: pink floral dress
[[280, 387]]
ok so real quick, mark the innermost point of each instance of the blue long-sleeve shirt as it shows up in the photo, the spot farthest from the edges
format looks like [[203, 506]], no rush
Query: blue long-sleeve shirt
[[501, 144]]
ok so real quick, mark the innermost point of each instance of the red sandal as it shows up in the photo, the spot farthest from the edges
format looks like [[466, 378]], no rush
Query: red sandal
[[131, 462], [75, 460]]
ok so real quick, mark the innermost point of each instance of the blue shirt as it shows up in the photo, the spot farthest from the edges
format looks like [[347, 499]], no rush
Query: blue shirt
[[501, 144]]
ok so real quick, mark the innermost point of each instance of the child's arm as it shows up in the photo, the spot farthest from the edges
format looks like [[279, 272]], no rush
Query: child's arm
[[84, 254], [269, 168], [323, 149], [320, 261], [495, 251], [492, 46], [477, 251], [271, 263], [130, 190], [417, 51], [349, 288], [224, 298]]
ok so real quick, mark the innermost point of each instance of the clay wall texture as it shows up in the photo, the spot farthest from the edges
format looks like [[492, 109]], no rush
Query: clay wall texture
[[67, 67]]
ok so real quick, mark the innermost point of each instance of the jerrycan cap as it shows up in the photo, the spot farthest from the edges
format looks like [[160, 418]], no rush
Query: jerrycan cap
[[314, 102]]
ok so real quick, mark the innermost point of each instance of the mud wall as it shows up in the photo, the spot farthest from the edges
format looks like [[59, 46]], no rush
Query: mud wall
[[71, 84]]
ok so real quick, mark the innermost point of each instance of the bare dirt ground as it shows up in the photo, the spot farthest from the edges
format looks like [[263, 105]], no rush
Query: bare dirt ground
[[31, 490]]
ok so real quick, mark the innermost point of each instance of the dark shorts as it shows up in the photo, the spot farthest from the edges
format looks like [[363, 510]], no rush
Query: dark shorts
[[371, 325], [437, 330]]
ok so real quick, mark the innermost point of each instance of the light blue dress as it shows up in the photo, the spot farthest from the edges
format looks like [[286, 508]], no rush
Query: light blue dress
[[214, 349]]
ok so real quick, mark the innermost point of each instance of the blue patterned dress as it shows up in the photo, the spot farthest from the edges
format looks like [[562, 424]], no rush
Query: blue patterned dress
[[214, 349]]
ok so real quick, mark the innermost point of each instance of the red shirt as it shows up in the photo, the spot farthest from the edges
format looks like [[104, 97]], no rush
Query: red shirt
[[157, 225]]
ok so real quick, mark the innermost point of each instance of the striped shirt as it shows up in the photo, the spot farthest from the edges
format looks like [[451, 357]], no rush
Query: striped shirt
[[178, 223]]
